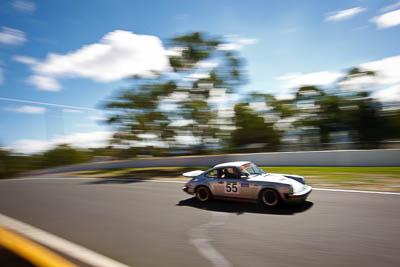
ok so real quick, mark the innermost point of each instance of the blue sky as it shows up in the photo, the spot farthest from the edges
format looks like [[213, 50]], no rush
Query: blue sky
[[285, 44]]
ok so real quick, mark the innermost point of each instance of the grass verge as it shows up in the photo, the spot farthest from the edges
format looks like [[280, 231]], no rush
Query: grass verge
[[361, 178]]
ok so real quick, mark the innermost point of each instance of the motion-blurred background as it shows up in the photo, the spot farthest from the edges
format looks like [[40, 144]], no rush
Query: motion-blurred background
[[98, 80]]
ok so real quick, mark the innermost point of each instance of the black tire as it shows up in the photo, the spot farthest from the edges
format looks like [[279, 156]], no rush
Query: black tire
[[270, 198], [203, 194]]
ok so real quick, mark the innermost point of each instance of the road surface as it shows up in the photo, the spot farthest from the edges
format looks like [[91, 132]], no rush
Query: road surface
[[156, 224]]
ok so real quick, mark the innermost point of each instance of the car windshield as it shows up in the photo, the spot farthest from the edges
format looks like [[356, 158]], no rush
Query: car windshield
[[252, 169]]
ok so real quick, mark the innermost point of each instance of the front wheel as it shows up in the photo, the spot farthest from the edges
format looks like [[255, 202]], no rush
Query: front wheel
[[269, 198], [203, 194]]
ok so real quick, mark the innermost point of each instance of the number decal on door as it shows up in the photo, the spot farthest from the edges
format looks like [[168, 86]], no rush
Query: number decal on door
[[231, 188]]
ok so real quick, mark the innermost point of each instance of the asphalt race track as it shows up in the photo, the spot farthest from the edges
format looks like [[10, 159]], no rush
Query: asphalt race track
[[156, 224]]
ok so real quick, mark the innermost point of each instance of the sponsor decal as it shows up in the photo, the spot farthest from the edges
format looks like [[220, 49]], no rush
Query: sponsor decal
[[244, 185]]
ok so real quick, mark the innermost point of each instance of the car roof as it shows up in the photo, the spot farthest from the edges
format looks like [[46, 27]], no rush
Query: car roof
[[232, 164]]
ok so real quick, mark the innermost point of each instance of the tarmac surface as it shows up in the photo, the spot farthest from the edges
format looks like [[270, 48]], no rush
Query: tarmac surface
[[142, 223]]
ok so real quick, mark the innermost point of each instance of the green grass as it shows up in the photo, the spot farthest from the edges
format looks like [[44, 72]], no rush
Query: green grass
[[367, 178], [328, 170]]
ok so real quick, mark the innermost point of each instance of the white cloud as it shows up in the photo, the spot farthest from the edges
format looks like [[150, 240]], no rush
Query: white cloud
[[247, 41], [177, 96], [45, 104], [387, 20], [79, 140], [168, 106], [169, 103], [29, 146], [322, 78], [97, 118], [45, 83], [25, 60], [187, 138], [285, 95], [228, 47], [198, 75], [24, 6], [344, 14], [175, 51], [12, 36], [236, 43], [204, 64], [387, 69], [258, 106], [119, 54], [28, 109], [387, 72], [68, 110], [181, 123], [359, 82], [391, 94], [218, 95], [390, 7], [226, 111]]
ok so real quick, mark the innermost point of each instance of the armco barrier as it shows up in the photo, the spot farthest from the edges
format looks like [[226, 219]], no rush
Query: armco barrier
[[356, 158]]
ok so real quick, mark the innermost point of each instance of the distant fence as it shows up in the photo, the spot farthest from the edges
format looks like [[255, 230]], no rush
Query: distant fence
[[356, 158]]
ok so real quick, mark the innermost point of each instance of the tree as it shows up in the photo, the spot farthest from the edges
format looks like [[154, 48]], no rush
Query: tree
[[365, 121], [63, 155], [252, 129], [200, 68], [363, 115], [138, 116], [349, 110]]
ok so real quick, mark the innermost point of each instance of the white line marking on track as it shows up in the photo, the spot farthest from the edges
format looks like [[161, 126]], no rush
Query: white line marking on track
[[181, 182], [356, 191], [64, 246], [199, 238]]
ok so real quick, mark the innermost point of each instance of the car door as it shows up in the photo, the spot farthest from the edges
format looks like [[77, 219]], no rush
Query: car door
[[236, 188], [231, 183], [215, 182], [245, 185], [227, 186], [232, 187]]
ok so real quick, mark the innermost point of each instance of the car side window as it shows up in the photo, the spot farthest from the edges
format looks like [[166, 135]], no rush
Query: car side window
[[220, 173], [228, 173], [211, 174], [238, 173]]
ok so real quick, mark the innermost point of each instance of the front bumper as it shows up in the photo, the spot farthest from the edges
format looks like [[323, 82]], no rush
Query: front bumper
[[299, 196], [188, 190]]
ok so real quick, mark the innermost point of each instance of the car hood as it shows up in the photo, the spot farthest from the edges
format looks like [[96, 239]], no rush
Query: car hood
[[278, 178]]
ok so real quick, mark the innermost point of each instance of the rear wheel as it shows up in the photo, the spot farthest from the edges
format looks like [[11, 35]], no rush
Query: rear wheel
[[203, 194], [269, 198]]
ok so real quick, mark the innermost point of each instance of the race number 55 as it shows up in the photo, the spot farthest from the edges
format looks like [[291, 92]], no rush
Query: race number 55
[[231, 188]]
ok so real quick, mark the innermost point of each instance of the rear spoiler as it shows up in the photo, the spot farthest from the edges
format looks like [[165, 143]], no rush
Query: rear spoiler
[[193, 173]]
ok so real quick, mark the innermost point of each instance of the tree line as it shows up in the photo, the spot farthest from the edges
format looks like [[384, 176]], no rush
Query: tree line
[[315, 118]]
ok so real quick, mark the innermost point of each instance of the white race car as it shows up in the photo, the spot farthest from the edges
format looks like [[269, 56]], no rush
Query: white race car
[[245, 181]]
